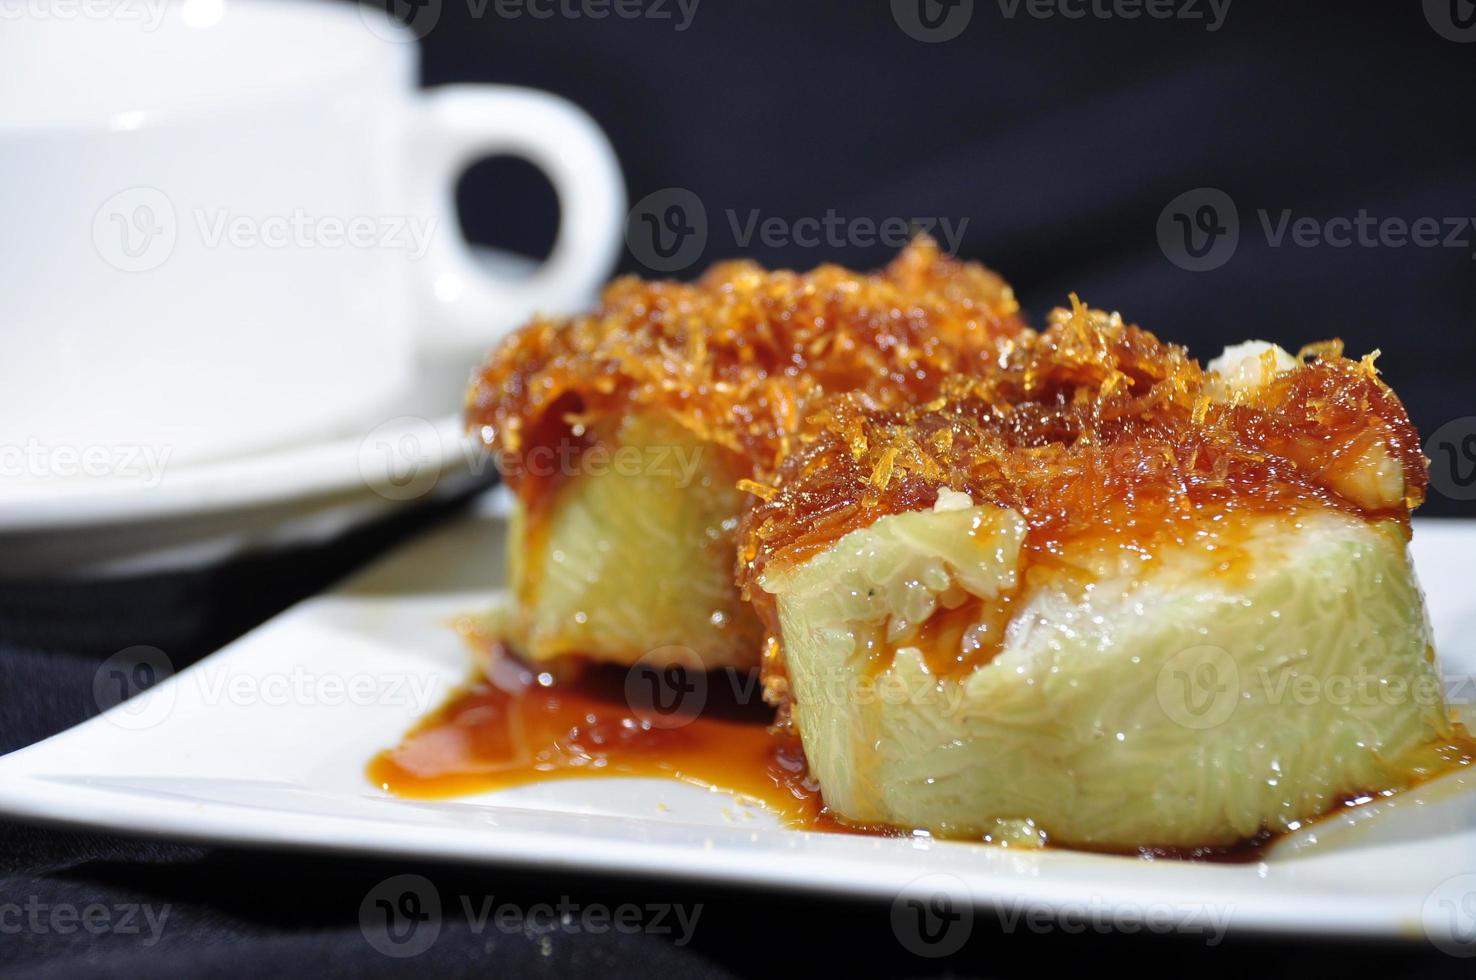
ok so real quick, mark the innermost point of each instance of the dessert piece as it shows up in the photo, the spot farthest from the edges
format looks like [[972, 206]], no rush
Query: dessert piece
[[1101, 596], [624, 435]]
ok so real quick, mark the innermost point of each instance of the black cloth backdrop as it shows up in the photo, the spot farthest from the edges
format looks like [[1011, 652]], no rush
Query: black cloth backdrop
[[1057, 145]]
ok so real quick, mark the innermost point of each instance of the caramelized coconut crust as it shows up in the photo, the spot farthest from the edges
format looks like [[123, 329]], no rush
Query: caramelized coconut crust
[[735, 356], [1095, 432]]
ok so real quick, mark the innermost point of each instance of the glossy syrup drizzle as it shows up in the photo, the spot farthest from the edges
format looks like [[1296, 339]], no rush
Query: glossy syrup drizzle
[[514, 726]]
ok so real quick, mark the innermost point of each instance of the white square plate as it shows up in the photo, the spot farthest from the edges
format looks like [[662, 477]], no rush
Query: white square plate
[[265, 744]]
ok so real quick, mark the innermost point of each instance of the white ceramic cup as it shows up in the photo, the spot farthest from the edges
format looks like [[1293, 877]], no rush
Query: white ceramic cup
[[229, 224]]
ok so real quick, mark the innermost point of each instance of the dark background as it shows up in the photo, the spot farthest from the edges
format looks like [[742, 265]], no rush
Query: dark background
[[1061, 142]]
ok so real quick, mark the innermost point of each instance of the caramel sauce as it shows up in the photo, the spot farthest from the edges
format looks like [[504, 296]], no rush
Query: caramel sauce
[[962, 638], [735, 357], [1092, 429], [513, 726], [525, 728]]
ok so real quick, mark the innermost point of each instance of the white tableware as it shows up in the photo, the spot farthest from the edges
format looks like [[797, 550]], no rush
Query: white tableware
[[230, 224], [160, 514], [211, 755]]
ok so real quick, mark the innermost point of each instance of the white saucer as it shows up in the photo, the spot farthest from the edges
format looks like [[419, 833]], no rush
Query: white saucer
[[186, 514], [393, 459], [197, 514]]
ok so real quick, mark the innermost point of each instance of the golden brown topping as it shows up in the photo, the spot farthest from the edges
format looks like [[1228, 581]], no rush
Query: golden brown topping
[[1096, 428], [738, 355]]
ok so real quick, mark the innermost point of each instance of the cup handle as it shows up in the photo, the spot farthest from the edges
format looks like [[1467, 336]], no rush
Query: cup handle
[[453, 126]]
